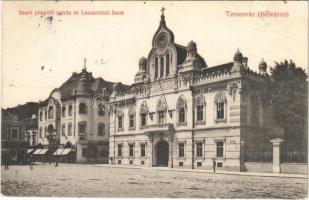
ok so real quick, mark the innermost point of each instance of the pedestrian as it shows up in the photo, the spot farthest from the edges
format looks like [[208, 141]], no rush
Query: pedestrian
[[56, 162], [214, 164], [7, 163]]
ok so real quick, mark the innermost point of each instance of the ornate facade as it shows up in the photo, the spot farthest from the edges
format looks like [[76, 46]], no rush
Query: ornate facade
[[181, 113], [73, 117]]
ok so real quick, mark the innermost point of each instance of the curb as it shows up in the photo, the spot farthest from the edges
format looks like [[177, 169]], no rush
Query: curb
[[302, 176]]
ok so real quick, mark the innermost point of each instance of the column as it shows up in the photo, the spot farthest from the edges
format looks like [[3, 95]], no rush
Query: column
[[276, 154]]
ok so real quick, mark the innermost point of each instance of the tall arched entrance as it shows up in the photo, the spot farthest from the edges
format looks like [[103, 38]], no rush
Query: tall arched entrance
[[162, 153]]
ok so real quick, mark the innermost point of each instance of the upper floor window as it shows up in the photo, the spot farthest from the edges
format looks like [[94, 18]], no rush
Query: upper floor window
[[40, 132], [255, 110], [51, 112], [101, 129], [14, 133], [41, 115], [181, 110], [82, 127], [143, 119], [70, 110], [131, 118], [45, 115], [120, 122], [63, 111], [161, 66], [156, 67], [45, 131], [63, 129], [82, 108], [70, 129], [220, 104], [143, 114], [200, 104], [167, 64]]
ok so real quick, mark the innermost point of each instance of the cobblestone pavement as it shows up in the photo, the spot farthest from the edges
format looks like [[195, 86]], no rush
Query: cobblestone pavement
[[73, 180]]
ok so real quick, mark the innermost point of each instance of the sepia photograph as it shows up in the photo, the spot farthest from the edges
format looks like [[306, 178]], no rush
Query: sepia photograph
[[154, 99]]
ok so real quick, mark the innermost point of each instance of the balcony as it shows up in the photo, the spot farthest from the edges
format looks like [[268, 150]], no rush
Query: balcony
[[154, 128]]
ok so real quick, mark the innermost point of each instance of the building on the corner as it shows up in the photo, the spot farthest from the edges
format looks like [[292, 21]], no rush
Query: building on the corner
[[182, 113], [19, 128], [73, 120], [13, 144]]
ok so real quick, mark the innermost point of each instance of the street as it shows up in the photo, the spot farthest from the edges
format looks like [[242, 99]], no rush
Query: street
[[77, 180]]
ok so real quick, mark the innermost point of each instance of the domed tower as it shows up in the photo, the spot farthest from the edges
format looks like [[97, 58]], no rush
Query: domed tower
[[263, 67], [238, 62], [141, 74], [84, 83], [191, 49], [142, 63]]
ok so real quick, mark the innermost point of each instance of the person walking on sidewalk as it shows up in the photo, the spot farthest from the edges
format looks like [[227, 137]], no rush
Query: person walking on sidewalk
[[214, 164]]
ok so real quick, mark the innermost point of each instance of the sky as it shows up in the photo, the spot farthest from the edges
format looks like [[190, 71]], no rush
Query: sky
[[113, 44]]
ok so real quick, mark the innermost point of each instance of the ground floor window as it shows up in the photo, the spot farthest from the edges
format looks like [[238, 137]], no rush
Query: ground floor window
[[131, 150], [143, 150], [119, 153], [181, 150], [219, 149], [199, 149], [84, 152]]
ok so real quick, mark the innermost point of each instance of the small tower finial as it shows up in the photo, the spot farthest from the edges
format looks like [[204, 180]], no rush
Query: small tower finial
[[162, 10], [85, 61]]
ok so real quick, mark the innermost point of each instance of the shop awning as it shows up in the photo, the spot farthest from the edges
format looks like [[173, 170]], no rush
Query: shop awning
[[37, 151], [43, 152], [66, 151], [30, 151], [58, 152]]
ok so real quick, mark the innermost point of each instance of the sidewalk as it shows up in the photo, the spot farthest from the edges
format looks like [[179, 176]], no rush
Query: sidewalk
[[303, 176]]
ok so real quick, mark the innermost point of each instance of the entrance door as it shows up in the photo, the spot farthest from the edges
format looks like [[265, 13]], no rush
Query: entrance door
[[162, 153]]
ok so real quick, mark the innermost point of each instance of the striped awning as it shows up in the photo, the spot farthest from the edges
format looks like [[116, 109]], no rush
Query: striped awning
[[58, 152], [30, 151], [37, 151], [43, 152], [66, 151]]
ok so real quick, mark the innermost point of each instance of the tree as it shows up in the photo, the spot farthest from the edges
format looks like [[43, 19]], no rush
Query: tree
[[290, 102]]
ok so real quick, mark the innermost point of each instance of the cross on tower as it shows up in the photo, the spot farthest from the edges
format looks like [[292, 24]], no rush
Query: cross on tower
[[162, 10], [85, 61]]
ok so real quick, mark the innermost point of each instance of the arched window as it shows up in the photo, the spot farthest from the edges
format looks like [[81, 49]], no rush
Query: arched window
[[51, 112], [101, 129], [70, 110], [131, 114], [41, 115], [220, 105], [161, 111], [200, 107], [181, 110], [156, 67], [101, 109], [120, 120], [143, 114], [82, 108], [167, 64], [161, 66], [63, 111]]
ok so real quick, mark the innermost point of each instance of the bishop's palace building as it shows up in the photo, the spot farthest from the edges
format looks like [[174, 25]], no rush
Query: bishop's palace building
[[178, 113]]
